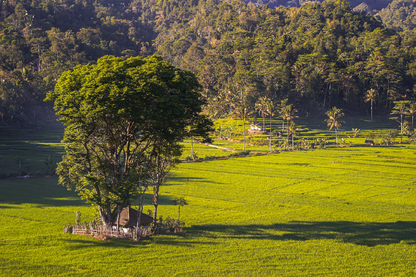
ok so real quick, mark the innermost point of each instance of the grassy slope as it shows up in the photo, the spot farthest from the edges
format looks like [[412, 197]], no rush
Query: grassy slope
[[326, 212]]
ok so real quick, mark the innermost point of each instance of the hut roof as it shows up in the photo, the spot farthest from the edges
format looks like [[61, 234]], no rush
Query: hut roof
[[128, 218]]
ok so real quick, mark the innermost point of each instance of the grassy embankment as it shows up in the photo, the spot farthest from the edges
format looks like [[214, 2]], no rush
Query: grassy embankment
[[324, 212]]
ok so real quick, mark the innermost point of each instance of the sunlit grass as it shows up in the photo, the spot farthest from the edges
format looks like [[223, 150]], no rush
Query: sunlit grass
[[323, 212]]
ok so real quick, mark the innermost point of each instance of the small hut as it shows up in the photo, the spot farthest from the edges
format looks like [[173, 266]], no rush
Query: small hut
[[128, 219], [255, 130]]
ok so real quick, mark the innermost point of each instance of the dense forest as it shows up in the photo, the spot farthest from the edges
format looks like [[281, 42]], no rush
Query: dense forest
[[316, 55], [399, 15], [370, 6]]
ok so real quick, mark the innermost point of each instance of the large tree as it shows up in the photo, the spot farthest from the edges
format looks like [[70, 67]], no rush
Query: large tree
[[124, 120]]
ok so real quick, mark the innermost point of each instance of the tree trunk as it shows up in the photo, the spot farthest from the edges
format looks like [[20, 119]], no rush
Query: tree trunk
[[157, 176], [293, 144], [155, 204], [336, 137], [139, 219], [287, 128], [192, 148], [118, 219], [108, 218], [244, 136], [270, 139], [140, 211], [401, 128], [371, 110]]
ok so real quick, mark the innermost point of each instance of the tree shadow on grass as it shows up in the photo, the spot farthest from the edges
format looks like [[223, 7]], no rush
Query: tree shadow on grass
[[55, 196], [170, 240], [182, 179], [359, 233], [40, 191], [47, 192], [7, 207]]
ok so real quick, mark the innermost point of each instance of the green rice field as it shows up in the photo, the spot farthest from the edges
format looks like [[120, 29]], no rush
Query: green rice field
[[323, 212]]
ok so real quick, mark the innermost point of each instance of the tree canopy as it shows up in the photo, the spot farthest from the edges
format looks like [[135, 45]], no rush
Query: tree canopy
[[122, 116], [317, 55]]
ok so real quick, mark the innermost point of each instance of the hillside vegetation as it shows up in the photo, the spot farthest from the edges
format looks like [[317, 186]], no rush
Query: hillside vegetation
[[372, 6], [318, 55]]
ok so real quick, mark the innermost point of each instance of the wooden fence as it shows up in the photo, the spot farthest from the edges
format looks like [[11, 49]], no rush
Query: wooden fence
[[101, 230]]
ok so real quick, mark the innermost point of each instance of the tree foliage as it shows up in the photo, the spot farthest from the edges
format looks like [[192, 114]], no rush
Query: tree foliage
[[334, 120], [316, 55], [124, 120], [399, 111]]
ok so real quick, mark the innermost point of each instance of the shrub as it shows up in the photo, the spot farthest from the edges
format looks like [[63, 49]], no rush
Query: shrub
[[344, 143], [169, 225], [21, 165]]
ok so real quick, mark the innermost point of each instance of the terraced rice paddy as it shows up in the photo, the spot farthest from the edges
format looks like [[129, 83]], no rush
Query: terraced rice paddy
[[323, 212]]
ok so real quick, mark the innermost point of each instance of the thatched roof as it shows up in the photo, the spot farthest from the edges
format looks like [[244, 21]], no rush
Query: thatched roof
[[128, 218]]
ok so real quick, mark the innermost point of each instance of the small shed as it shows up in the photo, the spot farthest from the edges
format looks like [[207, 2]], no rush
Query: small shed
[[129, 216], [255, 130]]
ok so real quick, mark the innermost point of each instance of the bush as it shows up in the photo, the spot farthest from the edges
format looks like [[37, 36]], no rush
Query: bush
[[169, 225], [344, 143]]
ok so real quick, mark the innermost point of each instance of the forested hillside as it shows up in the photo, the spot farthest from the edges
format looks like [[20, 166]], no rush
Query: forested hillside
[[317, 55], [399, 15], [370, 6], [42, 38]]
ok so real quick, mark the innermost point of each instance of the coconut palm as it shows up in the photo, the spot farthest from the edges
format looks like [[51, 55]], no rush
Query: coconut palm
[[334, 121], [180, 202], [371, 96], [261, 108], [281, 109], [288, 114], [292, 130], [244, 111], [411, 110], [270, 111], [399, 110]]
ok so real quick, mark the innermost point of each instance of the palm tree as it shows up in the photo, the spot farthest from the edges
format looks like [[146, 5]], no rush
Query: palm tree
[[292, 130], [281, 108], [228, 95], [261, 107], [371, 96], [270, 110], [399, 108], [334, 121], [411, 110], [244, 111], [288, 113], [180, 202]]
